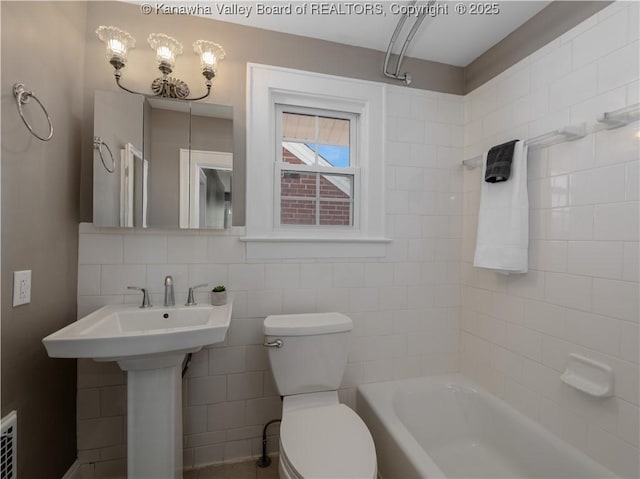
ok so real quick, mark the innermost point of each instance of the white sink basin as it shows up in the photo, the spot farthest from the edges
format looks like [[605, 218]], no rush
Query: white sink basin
[[149, 344], [124, 331]]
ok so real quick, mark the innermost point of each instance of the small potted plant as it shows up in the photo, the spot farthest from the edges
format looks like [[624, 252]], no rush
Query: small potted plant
[[219, 295]]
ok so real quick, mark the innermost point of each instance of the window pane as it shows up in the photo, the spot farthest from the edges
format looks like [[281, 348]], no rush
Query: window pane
[[337, 213], [297, 212], [299, 127], [333, 131], [297, 153], [336, 186], [296, 184], [333, 155]]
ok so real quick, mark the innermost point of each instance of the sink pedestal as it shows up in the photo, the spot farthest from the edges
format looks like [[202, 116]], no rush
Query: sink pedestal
[[154, 417]]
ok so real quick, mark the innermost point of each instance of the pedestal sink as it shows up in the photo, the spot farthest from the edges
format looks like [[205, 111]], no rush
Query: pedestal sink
[[150, 344]]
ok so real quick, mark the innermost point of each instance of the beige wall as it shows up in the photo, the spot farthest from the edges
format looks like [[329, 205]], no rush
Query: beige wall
[[40, 227], [242, 44]]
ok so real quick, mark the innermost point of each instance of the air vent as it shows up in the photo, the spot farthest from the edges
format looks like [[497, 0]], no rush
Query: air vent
[[8, 446]]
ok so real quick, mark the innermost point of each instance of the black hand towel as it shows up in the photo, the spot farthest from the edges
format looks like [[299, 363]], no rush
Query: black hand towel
[[499, 162]]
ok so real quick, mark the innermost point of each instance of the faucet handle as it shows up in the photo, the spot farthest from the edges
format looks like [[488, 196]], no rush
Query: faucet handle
[[145, 296], [190, 300]]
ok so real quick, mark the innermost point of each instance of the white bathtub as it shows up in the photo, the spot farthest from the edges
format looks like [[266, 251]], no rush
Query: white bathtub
[[447, 426]]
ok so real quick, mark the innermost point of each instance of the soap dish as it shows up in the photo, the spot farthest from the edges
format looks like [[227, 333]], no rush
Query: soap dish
[[589, 376]]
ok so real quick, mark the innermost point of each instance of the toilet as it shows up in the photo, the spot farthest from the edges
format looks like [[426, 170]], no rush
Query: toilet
[[319, 437]]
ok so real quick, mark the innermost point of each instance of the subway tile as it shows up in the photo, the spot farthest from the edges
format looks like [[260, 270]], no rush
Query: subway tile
[[602, 39], [629, 337], [544, 317], [617, 222], [186, 249], [569, 290], [244, 386], [246, 276], [145, 249], [570, 156], [548, 255], [316, 275], [618, 68], [194, 419], [262, 410], [225, 249], [613, 453], [299, 301], [628, 422], [525, 341], [574, 87], [550, 67], [597, 186], [530, 285], [588, 110], [348, 275], [632, 187], [226, 415], [88, 403], [227, 360], [593, 331], [88, 280], [631, 262], [205, 455], [209, 274], [603, 259], [617, 299], [564, 423], [113, 401], [100, 249], [115, 279], [573, 223], [100, 432], [206, 390], [264, 302], [282, 276], [618, 145]]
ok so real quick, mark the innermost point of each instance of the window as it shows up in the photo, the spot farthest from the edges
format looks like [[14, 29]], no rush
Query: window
[[315, 165]]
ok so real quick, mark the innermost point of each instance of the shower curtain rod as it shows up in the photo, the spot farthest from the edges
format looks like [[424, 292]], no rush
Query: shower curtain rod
[[422, 13]]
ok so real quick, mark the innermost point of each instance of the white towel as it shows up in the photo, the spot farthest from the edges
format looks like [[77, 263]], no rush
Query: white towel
[[502, 243]]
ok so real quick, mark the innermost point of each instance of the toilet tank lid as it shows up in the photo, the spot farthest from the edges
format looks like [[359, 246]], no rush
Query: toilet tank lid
[[306, 324]]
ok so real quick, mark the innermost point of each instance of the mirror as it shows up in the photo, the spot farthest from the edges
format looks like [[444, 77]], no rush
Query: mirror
[[172, 165]]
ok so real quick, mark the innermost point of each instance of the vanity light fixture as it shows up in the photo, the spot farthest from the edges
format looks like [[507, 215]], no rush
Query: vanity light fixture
[[119, 42]]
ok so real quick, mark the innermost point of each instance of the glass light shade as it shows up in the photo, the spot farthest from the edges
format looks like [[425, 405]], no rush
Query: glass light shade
[[210, 54], [166, 48], [118, 42]]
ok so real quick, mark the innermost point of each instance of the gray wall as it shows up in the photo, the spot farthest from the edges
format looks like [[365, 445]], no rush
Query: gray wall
[[242, 44], [40, 227]]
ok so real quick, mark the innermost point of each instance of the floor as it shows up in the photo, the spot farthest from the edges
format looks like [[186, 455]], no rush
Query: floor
[[238, 470]]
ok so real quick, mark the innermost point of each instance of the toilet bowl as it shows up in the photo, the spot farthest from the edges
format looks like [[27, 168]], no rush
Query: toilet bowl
[[319, 437]]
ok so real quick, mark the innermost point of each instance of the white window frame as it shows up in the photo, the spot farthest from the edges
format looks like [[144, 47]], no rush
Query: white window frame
[[267, 88], [352, 170]]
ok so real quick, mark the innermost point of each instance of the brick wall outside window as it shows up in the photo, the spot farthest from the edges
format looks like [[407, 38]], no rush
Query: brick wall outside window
[[302, 211]]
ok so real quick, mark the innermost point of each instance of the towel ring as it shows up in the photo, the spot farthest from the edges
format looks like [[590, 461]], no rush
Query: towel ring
[[98, 143], [22, 97]]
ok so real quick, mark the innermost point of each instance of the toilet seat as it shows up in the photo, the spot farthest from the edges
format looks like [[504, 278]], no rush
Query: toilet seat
[[327, 442]]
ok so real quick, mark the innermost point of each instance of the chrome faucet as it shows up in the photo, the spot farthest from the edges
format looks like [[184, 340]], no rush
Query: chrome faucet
[[169, 297]]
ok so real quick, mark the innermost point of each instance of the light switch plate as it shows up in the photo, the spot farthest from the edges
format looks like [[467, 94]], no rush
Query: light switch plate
[[21, 287]]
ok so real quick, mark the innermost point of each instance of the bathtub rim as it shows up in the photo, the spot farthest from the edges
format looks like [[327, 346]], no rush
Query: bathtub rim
[[415, 453]]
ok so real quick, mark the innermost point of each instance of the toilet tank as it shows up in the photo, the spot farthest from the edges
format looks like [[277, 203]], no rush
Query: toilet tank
[[314, 351]]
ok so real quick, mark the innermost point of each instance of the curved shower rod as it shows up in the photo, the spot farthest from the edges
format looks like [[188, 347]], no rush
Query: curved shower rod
[[406, 76]]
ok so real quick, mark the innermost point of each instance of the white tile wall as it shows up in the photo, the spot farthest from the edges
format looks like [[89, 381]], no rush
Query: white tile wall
[[581, 293], [405, 306]]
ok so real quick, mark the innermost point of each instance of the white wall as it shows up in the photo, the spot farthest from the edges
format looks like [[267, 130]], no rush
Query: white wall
[[405, 306], [581, 293]]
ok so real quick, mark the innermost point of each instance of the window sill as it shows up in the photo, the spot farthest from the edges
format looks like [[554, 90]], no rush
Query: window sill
[[289, 247]]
